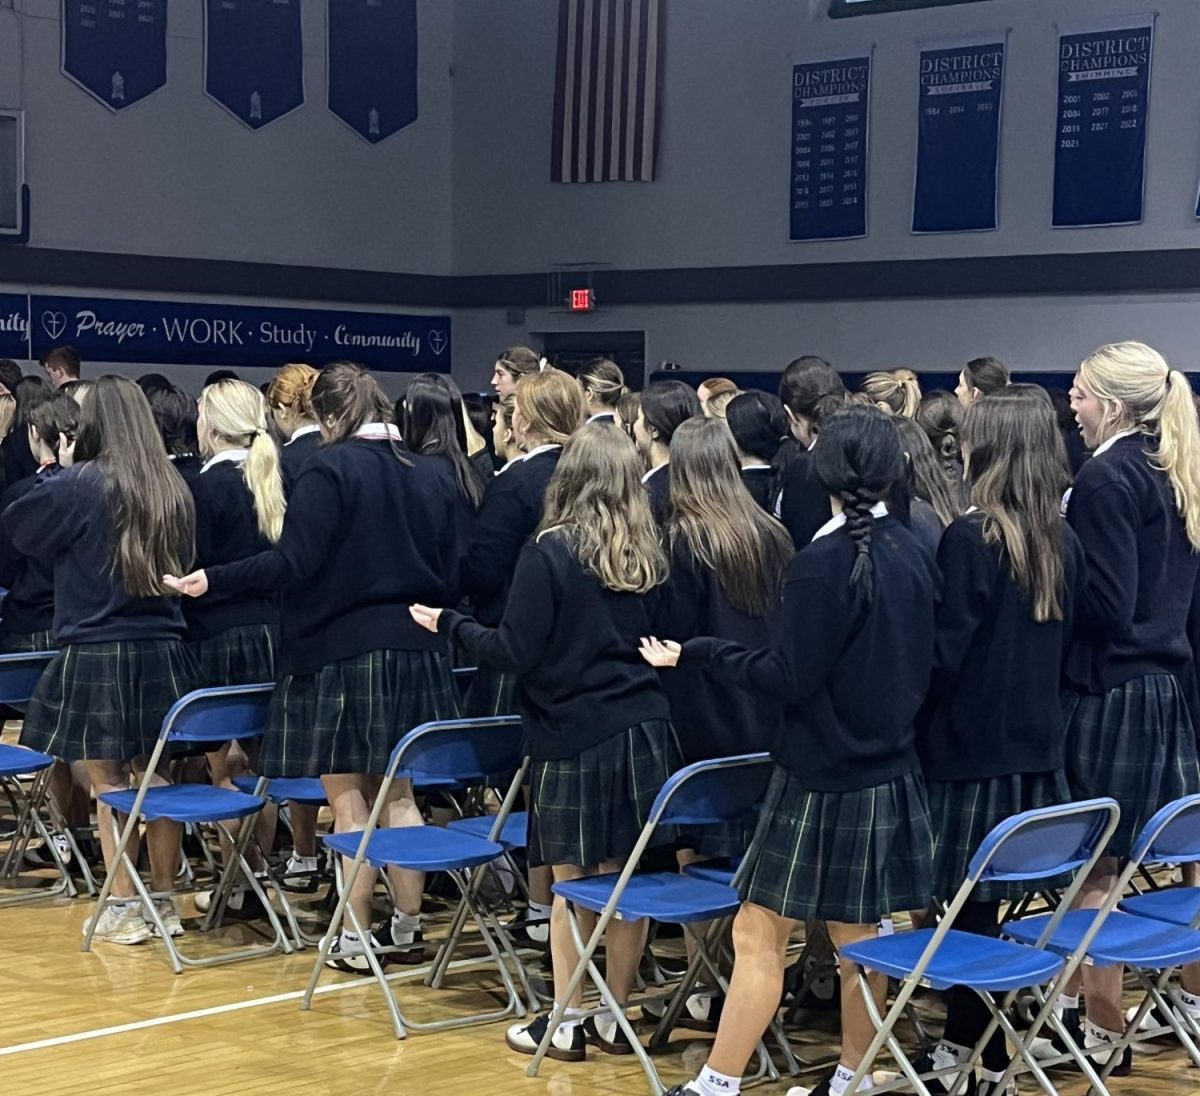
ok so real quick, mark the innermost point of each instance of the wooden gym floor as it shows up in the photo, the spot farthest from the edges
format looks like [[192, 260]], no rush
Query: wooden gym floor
[[118, 1020]]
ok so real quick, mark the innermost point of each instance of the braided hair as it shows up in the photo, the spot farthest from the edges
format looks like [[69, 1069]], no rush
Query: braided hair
[[858, 459]]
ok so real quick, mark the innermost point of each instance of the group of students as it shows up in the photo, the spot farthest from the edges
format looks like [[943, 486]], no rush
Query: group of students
[[899, 611]]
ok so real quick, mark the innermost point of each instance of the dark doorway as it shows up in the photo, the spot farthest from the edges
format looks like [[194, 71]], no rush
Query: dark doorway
[[571, 350]]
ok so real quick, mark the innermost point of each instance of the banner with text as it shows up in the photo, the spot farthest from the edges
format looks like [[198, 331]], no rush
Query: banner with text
[[958, 136], [14, 326], [1103, 106], [830, 114], [373, 65], [254, 58], [171, 332], [115, 49]]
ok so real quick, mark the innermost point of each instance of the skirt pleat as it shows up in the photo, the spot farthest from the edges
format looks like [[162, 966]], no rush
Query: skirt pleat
[[244, 655]]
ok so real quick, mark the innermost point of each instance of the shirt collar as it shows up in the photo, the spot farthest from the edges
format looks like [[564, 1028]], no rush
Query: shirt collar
[[539, 449], [601, 415], [311, 428], [879, 510], [1104, 446], [648, 475], [237, 456], [378, 431], [756, 468]]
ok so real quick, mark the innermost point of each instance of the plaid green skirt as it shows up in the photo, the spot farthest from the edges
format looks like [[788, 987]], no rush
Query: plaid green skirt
[[106, 701], [24, 643], [852, 857], [244, 655], [1134, 743], [590, 808], [964, 812], [347, 716], [491, 692]]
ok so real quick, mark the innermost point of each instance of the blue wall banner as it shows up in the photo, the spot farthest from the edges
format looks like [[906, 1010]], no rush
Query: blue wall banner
[[14, 326], [115, 49], [373, 65], [177, 333], [958, 135], [830, 115], [1103, 107], [254, 58]]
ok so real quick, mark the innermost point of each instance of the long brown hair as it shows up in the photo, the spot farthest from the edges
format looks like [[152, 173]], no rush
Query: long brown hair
[[1017, 471], [345, 398], [552, 405], [926, 477], [595, 500], [717, 519], [153, 516]]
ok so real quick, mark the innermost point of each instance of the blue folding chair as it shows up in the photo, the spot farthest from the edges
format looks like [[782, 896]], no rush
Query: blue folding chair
[[1130, 936], [25, 781], [1038, 844], [433, 754], [202, 716], [704, 793]]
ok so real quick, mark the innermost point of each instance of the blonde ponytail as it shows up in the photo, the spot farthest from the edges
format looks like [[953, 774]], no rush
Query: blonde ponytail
[[265, 481], [1179, 451]]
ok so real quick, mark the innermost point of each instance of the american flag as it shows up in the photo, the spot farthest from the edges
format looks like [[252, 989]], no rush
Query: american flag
[[607, 91]]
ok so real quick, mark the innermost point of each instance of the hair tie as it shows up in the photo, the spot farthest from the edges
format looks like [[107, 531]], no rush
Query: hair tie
[[543, 365]]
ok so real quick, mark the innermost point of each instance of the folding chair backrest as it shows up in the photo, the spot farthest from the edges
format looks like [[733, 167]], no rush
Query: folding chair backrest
[[1043, 843], [460, 750], [719, 790], [214, 715], [19, 675], [1172, 835]]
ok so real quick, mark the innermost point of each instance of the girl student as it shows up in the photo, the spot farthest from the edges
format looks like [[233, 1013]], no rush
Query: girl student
[[504, 438], [1135, 507], [760, 428], [603, 386], [895, 393], [113, 522], [728, 558], [434, 425], [356, 672], [597, 721], [175, 416], [844, 835], [981, 377], [664, 407], [289, 396], [626, 412], [933, 504], [513, 364], [991, 737]]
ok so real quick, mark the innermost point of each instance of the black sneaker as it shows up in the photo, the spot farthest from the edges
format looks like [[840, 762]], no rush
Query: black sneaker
[[350, 962], [568, 1044], [992, 1088], [619, 1044], [410, 952], [682, 1090]]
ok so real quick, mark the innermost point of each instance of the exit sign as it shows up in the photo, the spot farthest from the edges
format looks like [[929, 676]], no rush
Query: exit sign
[[581, 300]]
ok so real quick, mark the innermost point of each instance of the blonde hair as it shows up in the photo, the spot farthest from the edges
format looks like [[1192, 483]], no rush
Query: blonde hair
[[604, 380], [897, 392], [551, 403], [715, 406], [236, 412], [292, 387], [596, 502], [1134, 383]]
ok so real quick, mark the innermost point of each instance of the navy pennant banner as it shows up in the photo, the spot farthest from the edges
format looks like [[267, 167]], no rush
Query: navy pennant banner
[[1103, 107], [373, 65], [179, 333], [115, 49], [14, 326], [254, 58], [958, 136], [830, 114]]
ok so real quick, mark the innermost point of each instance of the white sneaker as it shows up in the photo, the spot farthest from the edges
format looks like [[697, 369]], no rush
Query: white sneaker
[[350, 958], [120, 924], [170, 918]]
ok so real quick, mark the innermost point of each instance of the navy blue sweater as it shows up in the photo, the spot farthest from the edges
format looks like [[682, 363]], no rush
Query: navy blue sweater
[[293, 455], [994, 706], [850, 682], [658, 484], [760, 482], [1141, 571], [226, 531], [29, 579], [803, 504], [66, 519], [574, 647], [365, 537]]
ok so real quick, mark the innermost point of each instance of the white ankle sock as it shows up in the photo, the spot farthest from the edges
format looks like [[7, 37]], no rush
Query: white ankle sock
[[842, 1076], [712, 1083], [349, 941], [1190, 1002], [1064, 1002], [537, 912], [571, 1018], [404, 924]]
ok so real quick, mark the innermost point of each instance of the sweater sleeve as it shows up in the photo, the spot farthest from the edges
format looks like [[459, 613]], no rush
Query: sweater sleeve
[[10, 557], [522, 640], [500, 530], [675, 605], [44, 521], [1105, 519], [967, 577], [813, 629]]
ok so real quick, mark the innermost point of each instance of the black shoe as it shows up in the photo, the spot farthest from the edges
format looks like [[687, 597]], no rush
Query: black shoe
[[671, 967], [701, 1012], [530, 934], [618, 1045], [568, 1044], [682, 1090], [409, 953], [992, 1088]]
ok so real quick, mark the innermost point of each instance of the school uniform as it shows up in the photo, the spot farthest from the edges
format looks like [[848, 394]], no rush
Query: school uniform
[[366, 536], [122, 661], [927, 527], [802, 504], [992, 736], [188, 466], [294, 453], [483, 466], [603, 416], [19, 463], [760, 482], [658, 484], [844, 834], [1129, 732], [28, 620], [596, 720], [235, 637]]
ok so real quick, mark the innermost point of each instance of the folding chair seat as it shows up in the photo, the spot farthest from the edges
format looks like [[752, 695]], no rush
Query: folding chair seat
[[281, 790], [513, 836], [714, 871], [665, 897], [1175, 906], [1035, 845], [202, 716], [460, 751]]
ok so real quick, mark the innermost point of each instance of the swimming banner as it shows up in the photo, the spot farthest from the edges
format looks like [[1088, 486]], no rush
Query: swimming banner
[[958, 135], [830, 115], [116, 50], [1100, 140], [254, 58], [373, 65]]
